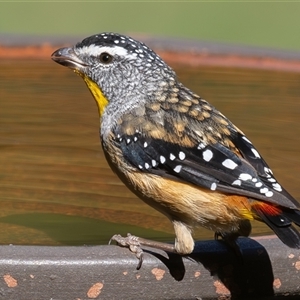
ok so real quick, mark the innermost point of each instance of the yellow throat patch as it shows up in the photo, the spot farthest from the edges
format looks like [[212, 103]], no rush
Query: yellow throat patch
[[101, 100]]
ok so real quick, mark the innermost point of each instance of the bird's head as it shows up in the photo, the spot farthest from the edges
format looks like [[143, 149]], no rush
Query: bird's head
[[117, 69]]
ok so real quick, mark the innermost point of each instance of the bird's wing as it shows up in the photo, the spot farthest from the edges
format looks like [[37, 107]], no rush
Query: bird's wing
[[238, 169]]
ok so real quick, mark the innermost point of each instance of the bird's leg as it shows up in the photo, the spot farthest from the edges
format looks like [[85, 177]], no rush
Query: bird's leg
[[230, 240], [135, 244]]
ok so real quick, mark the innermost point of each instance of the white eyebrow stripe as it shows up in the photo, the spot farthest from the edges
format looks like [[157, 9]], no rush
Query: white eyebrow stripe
[[95, 50]]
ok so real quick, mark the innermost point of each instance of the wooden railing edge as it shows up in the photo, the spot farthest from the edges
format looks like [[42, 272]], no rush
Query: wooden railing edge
[[265, 268]]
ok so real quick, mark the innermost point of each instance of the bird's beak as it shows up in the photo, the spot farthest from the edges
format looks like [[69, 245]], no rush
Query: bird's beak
[[68, 58]]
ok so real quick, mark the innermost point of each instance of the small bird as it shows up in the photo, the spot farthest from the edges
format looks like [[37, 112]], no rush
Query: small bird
[[176, 151]]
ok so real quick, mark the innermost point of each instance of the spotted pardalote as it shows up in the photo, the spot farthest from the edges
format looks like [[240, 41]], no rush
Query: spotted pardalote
[[175, 150]]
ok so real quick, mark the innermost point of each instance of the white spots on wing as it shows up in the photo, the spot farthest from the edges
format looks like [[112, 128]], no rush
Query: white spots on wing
[[245, 139], [254, 179], [147, 166], [135, 138], [264, 190], [201, 146], [245, 176], [268, 170], [229, 164], [140, 167], [119, 138], [207, 155], [128, 141], [181, 155], [269, 175], [213, 186], [254, 151], [145, 145], [237, 182], [259, 184], [269, 194], [277, 187], [178, 168], [162, 159], [172, 156], [116, 41], [154, 163]]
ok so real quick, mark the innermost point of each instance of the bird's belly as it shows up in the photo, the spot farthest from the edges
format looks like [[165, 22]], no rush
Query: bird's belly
[[191, 204]]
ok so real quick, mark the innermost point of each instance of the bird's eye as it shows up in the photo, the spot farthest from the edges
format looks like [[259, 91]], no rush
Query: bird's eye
[[105, 58]]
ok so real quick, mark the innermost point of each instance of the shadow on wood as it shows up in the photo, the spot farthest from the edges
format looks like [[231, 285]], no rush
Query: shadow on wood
[[248, 276]]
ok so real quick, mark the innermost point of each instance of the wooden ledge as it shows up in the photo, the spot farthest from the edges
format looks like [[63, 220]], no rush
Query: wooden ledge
[[267, 269]]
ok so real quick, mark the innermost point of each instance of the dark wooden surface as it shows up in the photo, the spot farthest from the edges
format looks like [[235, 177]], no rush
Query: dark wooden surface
[[266, 269], [55, 185]]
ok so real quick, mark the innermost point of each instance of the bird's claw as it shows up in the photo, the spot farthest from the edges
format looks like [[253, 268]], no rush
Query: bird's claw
[[132, 242]]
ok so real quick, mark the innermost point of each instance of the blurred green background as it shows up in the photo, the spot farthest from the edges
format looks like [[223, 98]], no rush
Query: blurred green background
[[275, 25]]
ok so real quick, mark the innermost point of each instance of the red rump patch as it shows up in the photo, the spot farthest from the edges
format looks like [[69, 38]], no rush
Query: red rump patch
[[268, 209]]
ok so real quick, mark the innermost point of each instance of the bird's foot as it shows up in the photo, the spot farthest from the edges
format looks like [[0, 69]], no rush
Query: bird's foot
[[135, 244], [131, 242]]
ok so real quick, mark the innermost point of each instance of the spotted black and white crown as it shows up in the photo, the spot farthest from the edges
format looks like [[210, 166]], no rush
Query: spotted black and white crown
[[133, 47]]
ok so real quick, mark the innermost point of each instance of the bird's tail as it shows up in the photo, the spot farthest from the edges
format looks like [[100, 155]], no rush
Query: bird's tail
[[280, 220]]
